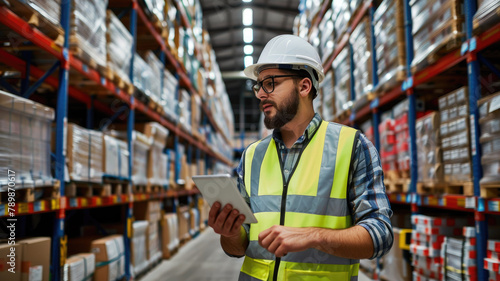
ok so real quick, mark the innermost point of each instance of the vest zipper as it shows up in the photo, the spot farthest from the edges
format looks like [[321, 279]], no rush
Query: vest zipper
[[285, 192]]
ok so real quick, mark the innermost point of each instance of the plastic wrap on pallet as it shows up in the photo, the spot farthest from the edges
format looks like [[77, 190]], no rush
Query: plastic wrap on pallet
[[79, 267], [157, 68], [390, 46], [341, 66], [455, 136], [110, 254], [341, 16], [169, 100], [118, 46], [487, 15], [436, 25], [328, 102], [139, 258], [185, 110], [361, 45], [170, 234], [327, 39], [89, 26], [143, 76], [154, 9], [84, 154], [489, 112], [430, 168], [51, 10], [25, 134], [153, 242], [115, 157]]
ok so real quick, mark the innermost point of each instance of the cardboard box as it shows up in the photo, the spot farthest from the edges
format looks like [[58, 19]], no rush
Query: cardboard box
[[115, 157], [84, 154], [109, 251], [169, 234], [148, 210], [36, 259], [79, 267], [183, 218], [138, 248], [11, 257]]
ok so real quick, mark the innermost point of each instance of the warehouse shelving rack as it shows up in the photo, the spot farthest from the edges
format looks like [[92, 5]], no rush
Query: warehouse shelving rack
[[469, 53], [66, 61]]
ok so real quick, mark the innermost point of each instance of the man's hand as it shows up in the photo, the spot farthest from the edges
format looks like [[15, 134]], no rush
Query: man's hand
[[227, 222], [280, 240]]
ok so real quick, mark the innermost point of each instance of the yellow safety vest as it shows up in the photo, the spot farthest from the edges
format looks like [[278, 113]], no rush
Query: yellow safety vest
[[315, 196]]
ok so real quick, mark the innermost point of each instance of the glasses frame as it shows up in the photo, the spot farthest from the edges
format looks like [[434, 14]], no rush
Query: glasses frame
[[257, 86]]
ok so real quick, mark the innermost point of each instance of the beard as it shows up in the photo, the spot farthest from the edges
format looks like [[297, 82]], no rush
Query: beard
[[284, 113]]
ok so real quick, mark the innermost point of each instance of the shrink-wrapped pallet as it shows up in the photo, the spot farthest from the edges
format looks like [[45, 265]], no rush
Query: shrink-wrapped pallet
[[489, 121], [88, 31], [118, 46], [79, 267], [115, 157], [328, 95], [362, 58], [169, 101], [84, 154], [390, 45], [342, 69], [157, 67], [110, 258], [430, 166], [170, 234], [25, 134]]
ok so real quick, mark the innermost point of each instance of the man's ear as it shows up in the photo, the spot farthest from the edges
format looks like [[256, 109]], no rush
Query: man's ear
[[305, 87]]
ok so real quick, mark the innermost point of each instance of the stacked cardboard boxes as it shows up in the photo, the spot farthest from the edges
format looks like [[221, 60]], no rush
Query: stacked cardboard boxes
[[390, 46], [109, 257], [342, 68], [28, 261], [185, 110], [150, 212], [455, 136], [79, 267], [157, 160], [492, 260], [486, 16], [388, 152], [84, 154], [25, 134], [362, 58], [144, 78], [118, 47], [88, 31], [430, 166], [489, 121], [327, 42], [115, 157], [437, 24], [328, 97], [169, 235], [341, 16], [184, 220], [168, 100], [139, 259], [459, 256], [157, 69]]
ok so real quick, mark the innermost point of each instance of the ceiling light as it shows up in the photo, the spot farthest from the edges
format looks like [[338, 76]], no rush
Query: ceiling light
[[247, 16], [248, 61], [247, 1], [248, 49], [248, 35]]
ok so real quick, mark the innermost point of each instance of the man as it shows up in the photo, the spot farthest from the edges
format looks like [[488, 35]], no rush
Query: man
[[316, 188]]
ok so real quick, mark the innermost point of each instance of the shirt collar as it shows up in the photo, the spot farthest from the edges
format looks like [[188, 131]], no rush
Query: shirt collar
[[310, 130]]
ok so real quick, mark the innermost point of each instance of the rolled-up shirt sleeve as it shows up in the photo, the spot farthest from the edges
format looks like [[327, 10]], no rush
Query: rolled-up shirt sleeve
[[369, 203]]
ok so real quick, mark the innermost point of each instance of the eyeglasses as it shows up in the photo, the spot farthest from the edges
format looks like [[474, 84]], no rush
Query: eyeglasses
[[268, 84]]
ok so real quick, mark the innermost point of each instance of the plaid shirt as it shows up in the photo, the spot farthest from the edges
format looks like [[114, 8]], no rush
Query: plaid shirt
[[369, 204]]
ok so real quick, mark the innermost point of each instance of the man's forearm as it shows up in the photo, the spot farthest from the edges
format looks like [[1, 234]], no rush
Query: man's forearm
[[353, 243], [236, 245]]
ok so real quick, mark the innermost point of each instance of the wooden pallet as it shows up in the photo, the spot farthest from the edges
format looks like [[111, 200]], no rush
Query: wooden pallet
[[490, 190], [398, 185], [34, 18], [31, 194], [88, 189], [146, 188], [87, 56], [459, 188]]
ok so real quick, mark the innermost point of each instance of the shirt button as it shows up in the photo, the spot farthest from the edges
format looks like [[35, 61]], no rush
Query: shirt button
[[286, 171]]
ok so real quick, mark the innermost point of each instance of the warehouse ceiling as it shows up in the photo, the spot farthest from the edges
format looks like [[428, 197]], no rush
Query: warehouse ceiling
[[224, 21]]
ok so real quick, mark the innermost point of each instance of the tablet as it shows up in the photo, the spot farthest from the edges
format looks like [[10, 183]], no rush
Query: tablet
[[223, 188]]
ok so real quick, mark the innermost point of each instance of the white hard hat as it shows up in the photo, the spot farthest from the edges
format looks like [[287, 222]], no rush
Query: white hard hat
[[288, 52]]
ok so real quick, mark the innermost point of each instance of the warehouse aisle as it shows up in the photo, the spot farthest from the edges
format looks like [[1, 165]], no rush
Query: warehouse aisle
[[201, 259]]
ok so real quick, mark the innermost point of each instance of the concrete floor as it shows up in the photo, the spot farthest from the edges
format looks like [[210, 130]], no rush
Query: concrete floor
[[201, 259]]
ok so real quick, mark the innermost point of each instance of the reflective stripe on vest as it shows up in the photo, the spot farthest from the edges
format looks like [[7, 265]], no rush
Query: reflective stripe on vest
[[316, 197]]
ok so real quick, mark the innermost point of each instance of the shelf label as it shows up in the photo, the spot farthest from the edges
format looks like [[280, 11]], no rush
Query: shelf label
[[352, 117], [39, 206], [473, 134], [84, 202], [464, 48], [85, 68], [493, 206], [374, 103], [470, 202], [103, 81], [472, 44], [3, 210]]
